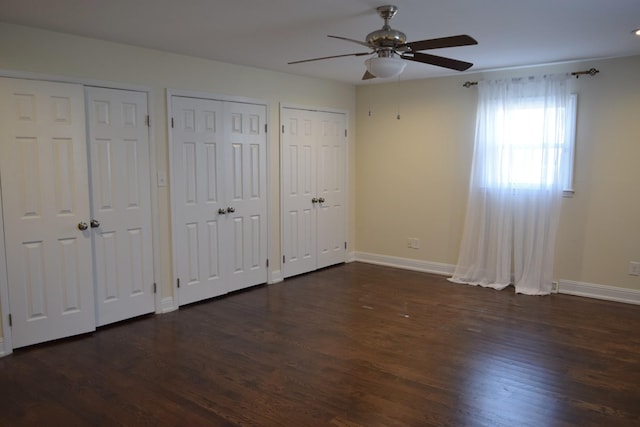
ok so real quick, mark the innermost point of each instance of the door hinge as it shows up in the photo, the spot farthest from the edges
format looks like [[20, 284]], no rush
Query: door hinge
[[178, 282], [155, 288], [267, 262], [148, 120], [345, 245], [265, 128], [282, 128], [10, 320], [171, 122], [345, 133], [283, 259]]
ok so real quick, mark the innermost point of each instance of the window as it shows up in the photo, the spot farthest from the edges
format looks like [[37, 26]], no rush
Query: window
[[531, 145]]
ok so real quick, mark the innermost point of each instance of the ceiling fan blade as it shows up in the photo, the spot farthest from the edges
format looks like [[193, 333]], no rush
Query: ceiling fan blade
[[368, 76], [453, 41], [440, 61], [351, 40], [332, 56]]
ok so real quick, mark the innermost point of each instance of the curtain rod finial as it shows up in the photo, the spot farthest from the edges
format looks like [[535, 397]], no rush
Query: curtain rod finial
[[590, 71]]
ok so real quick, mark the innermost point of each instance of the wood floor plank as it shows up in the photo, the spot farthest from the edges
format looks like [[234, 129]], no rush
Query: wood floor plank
[[352, 345]]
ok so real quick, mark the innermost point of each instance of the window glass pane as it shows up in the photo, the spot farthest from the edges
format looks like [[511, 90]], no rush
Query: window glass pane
[[531, 149]]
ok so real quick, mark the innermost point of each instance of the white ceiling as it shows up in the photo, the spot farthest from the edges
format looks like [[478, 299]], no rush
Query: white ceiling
[[269, 34]]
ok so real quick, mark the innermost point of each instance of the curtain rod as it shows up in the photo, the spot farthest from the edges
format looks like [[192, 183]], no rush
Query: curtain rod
[[590, 71]]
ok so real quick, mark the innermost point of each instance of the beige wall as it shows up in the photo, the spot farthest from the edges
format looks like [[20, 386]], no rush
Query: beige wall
[[30, 50], [412, 174]]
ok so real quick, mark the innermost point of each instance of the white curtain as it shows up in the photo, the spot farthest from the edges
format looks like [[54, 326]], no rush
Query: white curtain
[[520, 162]]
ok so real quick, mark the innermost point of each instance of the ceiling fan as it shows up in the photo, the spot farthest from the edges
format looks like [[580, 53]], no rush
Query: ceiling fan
[[390, 47]]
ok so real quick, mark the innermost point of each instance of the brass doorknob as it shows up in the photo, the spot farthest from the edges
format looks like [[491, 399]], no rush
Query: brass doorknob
[[82, 226], [230, 209], [314, 200], [321, 200], [94, 223], [222, 211]]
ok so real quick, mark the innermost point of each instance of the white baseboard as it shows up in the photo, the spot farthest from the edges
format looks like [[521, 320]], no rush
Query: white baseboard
[[276, 277], [591, 290], [405, 263], [167, 305], [568, 287], [351, 256]]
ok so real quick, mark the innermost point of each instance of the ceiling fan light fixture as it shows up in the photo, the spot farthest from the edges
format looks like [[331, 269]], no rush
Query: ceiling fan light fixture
[[636, 31], [385, 67]]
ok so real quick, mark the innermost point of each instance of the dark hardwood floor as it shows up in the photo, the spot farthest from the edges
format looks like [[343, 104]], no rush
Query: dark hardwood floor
[[353, 345]]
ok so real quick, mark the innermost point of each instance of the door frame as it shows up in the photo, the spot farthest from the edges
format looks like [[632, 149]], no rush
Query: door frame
[[291, 106], [5, 342], [271, 275], [6, 347]]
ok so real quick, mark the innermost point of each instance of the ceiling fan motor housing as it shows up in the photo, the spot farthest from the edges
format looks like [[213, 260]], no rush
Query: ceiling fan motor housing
[[386, 37]]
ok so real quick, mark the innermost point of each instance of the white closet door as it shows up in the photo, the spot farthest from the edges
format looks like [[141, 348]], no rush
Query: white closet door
[[43, 166], [121, 203], [298, 170], [197, 196], [246, 193], [331, 155], [313, 153]]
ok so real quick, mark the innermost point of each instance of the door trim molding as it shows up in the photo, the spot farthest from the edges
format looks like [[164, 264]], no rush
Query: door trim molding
[[27, 75], [5, 341], [224, 98]]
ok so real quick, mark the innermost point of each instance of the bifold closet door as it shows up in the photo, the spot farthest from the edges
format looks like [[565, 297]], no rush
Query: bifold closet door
[[120, 203], [219, 193], [43, 173], [313, 153]]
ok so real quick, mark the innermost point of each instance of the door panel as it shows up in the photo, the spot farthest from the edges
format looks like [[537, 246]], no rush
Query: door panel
[[197, 196], [121, 202], [331, 181], [246, 193], [298, 190], [43, 167]]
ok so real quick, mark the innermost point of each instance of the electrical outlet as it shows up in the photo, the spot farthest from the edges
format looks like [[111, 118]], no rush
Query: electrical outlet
[[634, 268], [413, 243]]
